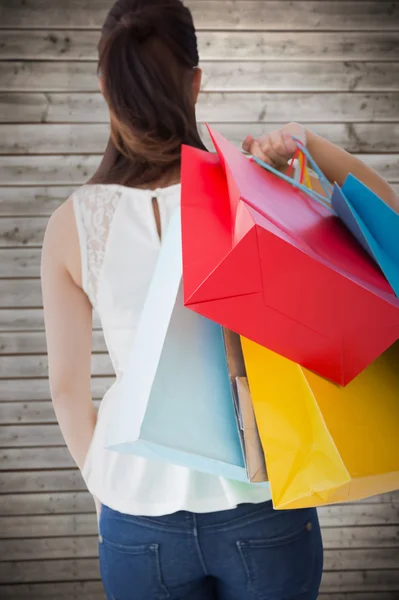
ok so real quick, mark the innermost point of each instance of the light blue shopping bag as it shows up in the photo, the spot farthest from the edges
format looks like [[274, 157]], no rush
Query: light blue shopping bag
[[174, 400], [372, 222]]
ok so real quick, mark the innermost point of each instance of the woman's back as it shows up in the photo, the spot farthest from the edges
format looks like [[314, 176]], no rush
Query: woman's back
[[119, 246]]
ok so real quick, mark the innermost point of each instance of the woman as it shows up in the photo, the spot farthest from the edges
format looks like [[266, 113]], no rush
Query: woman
[[165, 532]]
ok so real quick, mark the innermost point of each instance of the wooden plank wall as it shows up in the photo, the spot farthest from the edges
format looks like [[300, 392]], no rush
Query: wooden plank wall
[[331, 64]]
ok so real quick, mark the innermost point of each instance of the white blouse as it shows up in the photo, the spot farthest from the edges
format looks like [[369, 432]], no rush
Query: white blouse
[[119, 246]]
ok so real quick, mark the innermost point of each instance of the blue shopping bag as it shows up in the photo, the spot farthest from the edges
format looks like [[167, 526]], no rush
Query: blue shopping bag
[[174, 401], [374, 224], [371, 221]]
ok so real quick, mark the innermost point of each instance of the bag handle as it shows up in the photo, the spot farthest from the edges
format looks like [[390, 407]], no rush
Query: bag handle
[[328, 188]]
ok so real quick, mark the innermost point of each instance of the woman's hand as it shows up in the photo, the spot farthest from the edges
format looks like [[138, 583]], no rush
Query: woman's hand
[[276, 148]]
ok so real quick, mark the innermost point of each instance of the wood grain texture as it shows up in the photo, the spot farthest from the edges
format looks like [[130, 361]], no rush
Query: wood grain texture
[[60, 525], [76, 170], [34, 390], [26, 482], [87, 546], [21, 366], [333, 65], [31, 201], [29, 413], [92, 590], [17, 319], [35, 342], [89, 138], [215, 15], [383, 516], [22, 45], [87, 569], [37, 504], [219, 76], [23, 459], [361, 580], [43, 200], [212, 107], [27, 319]]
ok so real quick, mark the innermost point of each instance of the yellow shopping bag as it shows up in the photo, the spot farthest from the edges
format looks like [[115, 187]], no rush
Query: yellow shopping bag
[[324, 443]]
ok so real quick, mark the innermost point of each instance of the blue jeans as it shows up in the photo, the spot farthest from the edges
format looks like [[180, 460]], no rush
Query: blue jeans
[[249, 553]]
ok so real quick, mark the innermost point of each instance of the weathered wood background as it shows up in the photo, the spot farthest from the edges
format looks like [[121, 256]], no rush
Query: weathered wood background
[[331, 64]]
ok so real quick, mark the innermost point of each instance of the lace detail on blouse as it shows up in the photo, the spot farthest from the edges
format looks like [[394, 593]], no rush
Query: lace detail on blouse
[[95, 208]]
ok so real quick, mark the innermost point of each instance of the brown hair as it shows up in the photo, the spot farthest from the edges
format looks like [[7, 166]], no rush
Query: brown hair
[[148, 52]]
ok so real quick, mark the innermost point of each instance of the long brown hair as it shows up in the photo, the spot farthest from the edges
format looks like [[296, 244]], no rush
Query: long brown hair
[[147, 56]]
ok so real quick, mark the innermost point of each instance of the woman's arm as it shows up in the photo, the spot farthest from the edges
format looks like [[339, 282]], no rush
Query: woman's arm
[[278, 147], [68, 322]]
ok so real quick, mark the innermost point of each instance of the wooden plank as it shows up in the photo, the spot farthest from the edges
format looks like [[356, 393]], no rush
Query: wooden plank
[[53, 139], [215, 15], [27, 319], [218, 76], [212, 107], [93, 590], [353, 107], [386, 536], [81, 569], [20, 262], [22, 459], [360, 580], [86, 546], [32, 201], [21, 319], [354, 515], [88, 138], [351, 560], [57, 525], [65, 480], [358, 514], [87, 569], [20, 293], [33, 390], [22, 231], [60, 169], [89, 590], [22, 45], [65, 591], [34, 342], [37, 504], [66, 547], [24, 527], [49, 549], [361, 537], [37, 200], [36, 365], [13, 436], [29, 413], [76, 169], [68, 480]]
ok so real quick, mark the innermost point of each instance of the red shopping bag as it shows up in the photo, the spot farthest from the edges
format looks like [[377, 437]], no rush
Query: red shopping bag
[[266, 261]]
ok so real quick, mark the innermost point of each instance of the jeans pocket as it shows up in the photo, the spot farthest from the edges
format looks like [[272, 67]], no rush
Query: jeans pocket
[[283, 568], [131, 571]]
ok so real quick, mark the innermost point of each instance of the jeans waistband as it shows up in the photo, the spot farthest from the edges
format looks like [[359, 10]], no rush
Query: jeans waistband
[[184, 521]]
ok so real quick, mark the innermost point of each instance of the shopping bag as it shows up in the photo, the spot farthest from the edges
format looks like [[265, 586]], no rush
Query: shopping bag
[[248, 430], [374, 224], [269, 262], [173, 401], [325, 443]]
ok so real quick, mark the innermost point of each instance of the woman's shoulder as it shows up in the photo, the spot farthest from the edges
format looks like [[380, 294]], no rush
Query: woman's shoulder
[[95, 195]]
